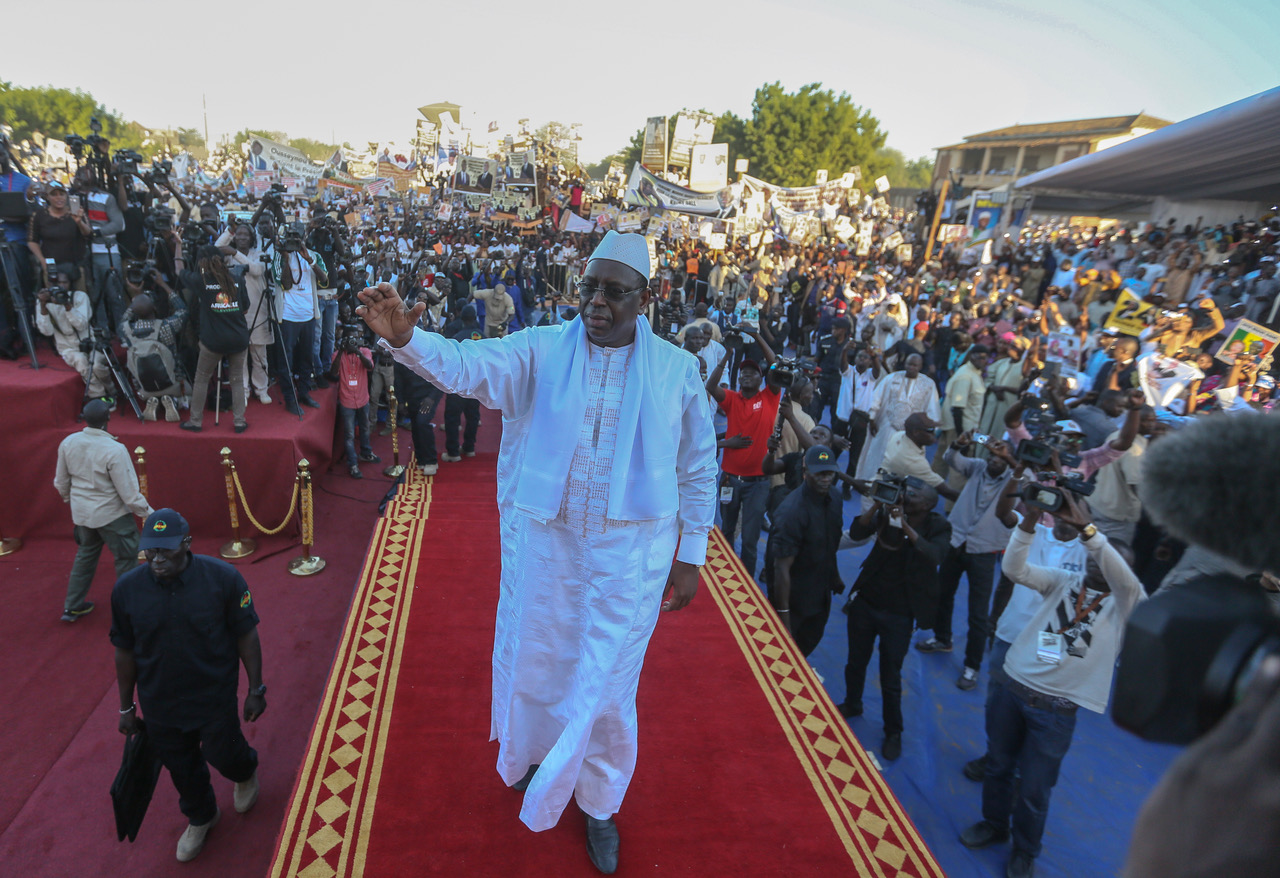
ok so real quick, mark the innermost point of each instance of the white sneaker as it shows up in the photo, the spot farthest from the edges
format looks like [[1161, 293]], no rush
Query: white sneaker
[[170, 409], [451, 458], [264, 398], [149, 413], [246, 794], [430, 469], [468, 454], [191, 842]]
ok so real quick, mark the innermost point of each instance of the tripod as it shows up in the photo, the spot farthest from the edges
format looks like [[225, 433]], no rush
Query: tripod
[[277, 335], [100, 346], [21, 312]]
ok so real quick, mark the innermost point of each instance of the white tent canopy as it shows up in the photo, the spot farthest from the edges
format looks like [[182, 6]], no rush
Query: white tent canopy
[[1228, 154]]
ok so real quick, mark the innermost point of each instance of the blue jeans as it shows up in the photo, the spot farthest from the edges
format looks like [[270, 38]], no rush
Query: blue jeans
[[750, 496], [351, 418], [1031, 742], [322, 344]]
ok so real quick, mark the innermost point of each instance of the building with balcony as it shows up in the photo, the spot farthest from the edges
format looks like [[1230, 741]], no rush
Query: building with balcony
[[994, 158]]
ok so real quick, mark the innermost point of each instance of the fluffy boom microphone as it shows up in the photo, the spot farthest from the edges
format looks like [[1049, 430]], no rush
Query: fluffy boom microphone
[[1216, 483]]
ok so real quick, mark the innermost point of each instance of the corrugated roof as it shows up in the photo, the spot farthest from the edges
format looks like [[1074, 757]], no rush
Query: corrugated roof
[[1058, 132]]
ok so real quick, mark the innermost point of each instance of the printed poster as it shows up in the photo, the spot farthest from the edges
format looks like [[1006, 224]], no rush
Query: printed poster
[[691, 129], [710, 168], [1129, 315], [1164, 379], [882, 184], [653, 154], [647, 190], [1064, 348], [1250, 339], [475, 175], [521, 168]]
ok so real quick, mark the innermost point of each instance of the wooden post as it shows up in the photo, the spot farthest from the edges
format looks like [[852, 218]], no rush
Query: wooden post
[[937, 218]]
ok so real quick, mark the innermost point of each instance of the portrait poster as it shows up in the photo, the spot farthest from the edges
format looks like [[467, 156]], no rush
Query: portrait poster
[[690, 130], [709, 170], [1164, 379], [521, 168], [903, 253], [653, 154], [1064, 348], [1248, 338], [882, 184], [1129, 316], [475, 175]]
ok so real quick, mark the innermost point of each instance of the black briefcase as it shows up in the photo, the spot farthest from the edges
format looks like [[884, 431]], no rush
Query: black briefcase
[[135, 783]]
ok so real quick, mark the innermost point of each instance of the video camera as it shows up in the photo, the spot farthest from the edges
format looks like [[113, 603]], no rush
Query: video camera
[[292, 238], [160, 171], [274, 193], [1051, 498], [784, 371], [888, 488], [1189, 654], [160, 221], [127, 160]]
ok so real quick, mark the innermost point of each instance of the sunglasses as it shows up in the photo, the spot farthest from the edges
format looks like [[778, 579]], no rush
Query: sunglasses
[[587, 291]]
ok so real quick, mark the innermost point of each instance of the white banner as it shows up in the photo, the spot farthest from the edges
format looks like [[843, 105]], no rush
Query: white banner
[[267, 155], [710, 168]]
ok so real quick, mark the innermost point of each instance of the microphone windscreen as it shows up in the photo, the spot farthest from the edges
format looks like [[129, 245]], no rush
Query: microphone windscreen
[[1216, 483]]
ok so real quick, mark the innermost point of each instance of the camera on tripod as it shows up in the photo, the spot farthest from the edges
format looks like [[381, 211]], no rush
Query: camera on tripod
[[127, 160], [274, 193], [97, 340]]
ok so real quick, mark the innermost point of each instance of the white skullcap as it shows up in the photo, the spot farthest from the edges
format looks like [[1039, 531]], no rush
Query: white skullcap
[[630, 249]]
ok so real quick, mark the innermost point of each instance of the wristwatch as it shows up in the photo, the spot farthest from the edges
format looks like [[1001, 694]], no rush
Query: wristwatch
[[261, 690], [1087, 532]]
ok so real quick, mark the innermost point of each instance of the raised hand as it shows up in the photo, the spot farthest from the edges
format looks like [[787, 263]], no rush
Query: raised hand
[[384, 312]]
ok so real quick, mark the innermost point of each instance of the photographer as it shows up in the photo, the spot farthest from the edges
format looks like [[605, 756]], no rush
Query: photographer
[[350, 369], [978, 536], [1072, 435], [106, 221], [751, 412], [58, 232], [14, 242], [153, 348], [240, 249], [830, 354], [64, 313], [896, 591], [324, 239], [223, 330], [300, 273], [1063, 659], [857, 392]]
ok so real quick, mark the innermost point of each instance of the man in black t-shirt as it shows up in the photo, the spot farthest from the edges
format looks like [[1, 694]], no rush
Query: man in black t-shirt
[[182, 624], [455, 407]]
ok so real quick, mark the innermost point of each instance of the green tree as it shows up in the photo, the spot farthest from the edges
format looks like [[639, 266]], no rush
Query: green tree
[[58, 112], [903, 174], [316, 150], [790, 136], [241, 137]]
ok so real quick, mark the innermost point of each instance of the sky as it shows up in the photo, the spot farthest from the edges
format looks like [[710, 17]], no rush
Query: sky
[[932, 71]]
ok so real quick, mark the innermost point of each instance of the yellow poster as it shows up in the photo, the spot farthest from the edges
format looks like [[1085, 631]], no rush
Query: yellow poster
[[1129, 314]]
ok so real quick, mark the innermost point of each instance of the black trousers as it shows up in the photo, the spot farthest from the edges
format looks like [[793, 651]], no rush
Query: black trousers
[[808, 630], [189, 753], [454, 408], [422, 409], [856, 433], [980, 567], [865, 624]]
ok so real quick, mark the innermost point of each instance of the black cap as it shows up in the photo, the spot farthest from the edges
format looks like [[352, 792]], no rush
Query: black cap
[[163, 529], [820, 459]]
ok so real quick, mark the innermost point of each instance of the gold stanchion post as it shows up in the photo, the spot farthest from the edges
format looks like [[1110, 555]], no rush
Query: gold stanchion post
[[237, 548], [308, 563], [396, 468], [141, 454]]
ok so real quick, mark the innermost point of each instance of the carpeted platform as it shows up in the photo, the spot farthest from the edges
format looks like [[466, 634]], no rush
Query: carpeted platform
[[745, 766], [41, 407]]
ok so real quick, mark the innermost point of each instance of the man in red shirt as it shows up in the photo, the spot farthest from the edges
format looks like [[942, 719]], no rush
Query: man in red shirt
[[752, 412], [351, 368]]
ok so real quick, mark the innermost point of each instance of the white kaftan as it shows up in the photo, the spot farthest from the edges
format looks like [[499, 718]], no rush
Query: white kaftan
[[581, 591], [895, 399]]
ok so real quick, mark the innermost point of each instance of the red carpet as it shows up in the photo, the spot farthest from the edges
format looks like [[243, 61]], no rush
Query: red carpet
[[745, 766]]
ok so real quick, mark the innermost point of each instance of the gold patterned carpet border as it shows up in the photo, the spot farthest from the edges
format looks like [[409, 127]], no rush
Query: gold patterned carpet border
[[326, 828], [877, 834]]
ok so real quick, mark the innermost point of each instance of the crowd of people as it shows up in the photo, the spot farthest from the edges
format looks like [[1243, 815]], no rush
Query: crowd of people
[[1038, 378]]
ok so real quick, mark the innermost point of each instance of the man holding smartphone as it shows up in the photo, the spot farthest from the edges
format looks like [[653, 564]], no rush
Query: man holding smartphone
[[896, 591]]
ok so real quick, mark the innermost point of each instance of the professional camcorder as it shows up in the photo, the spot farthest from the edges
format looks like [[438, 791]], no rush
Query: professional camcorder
[[292, 238], [1052, 497], [160, 221], [127, 160], [888, 488], [784, 371], [160, 171]]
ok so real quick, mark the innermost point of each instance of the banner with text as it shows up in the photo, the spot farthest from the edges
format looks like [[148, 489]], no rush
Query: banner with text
[[647, 190], [267, 155], [654, 152]]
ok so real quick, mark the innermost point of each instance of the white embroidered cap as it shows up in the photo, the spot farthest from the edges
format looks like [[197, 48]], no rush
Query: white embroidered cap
[[630, 249]]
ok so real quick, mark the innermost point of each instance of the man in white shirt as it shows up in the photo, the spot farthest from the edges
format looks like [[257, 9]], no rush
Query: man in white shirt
[[1063, 659], [853, 404]]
